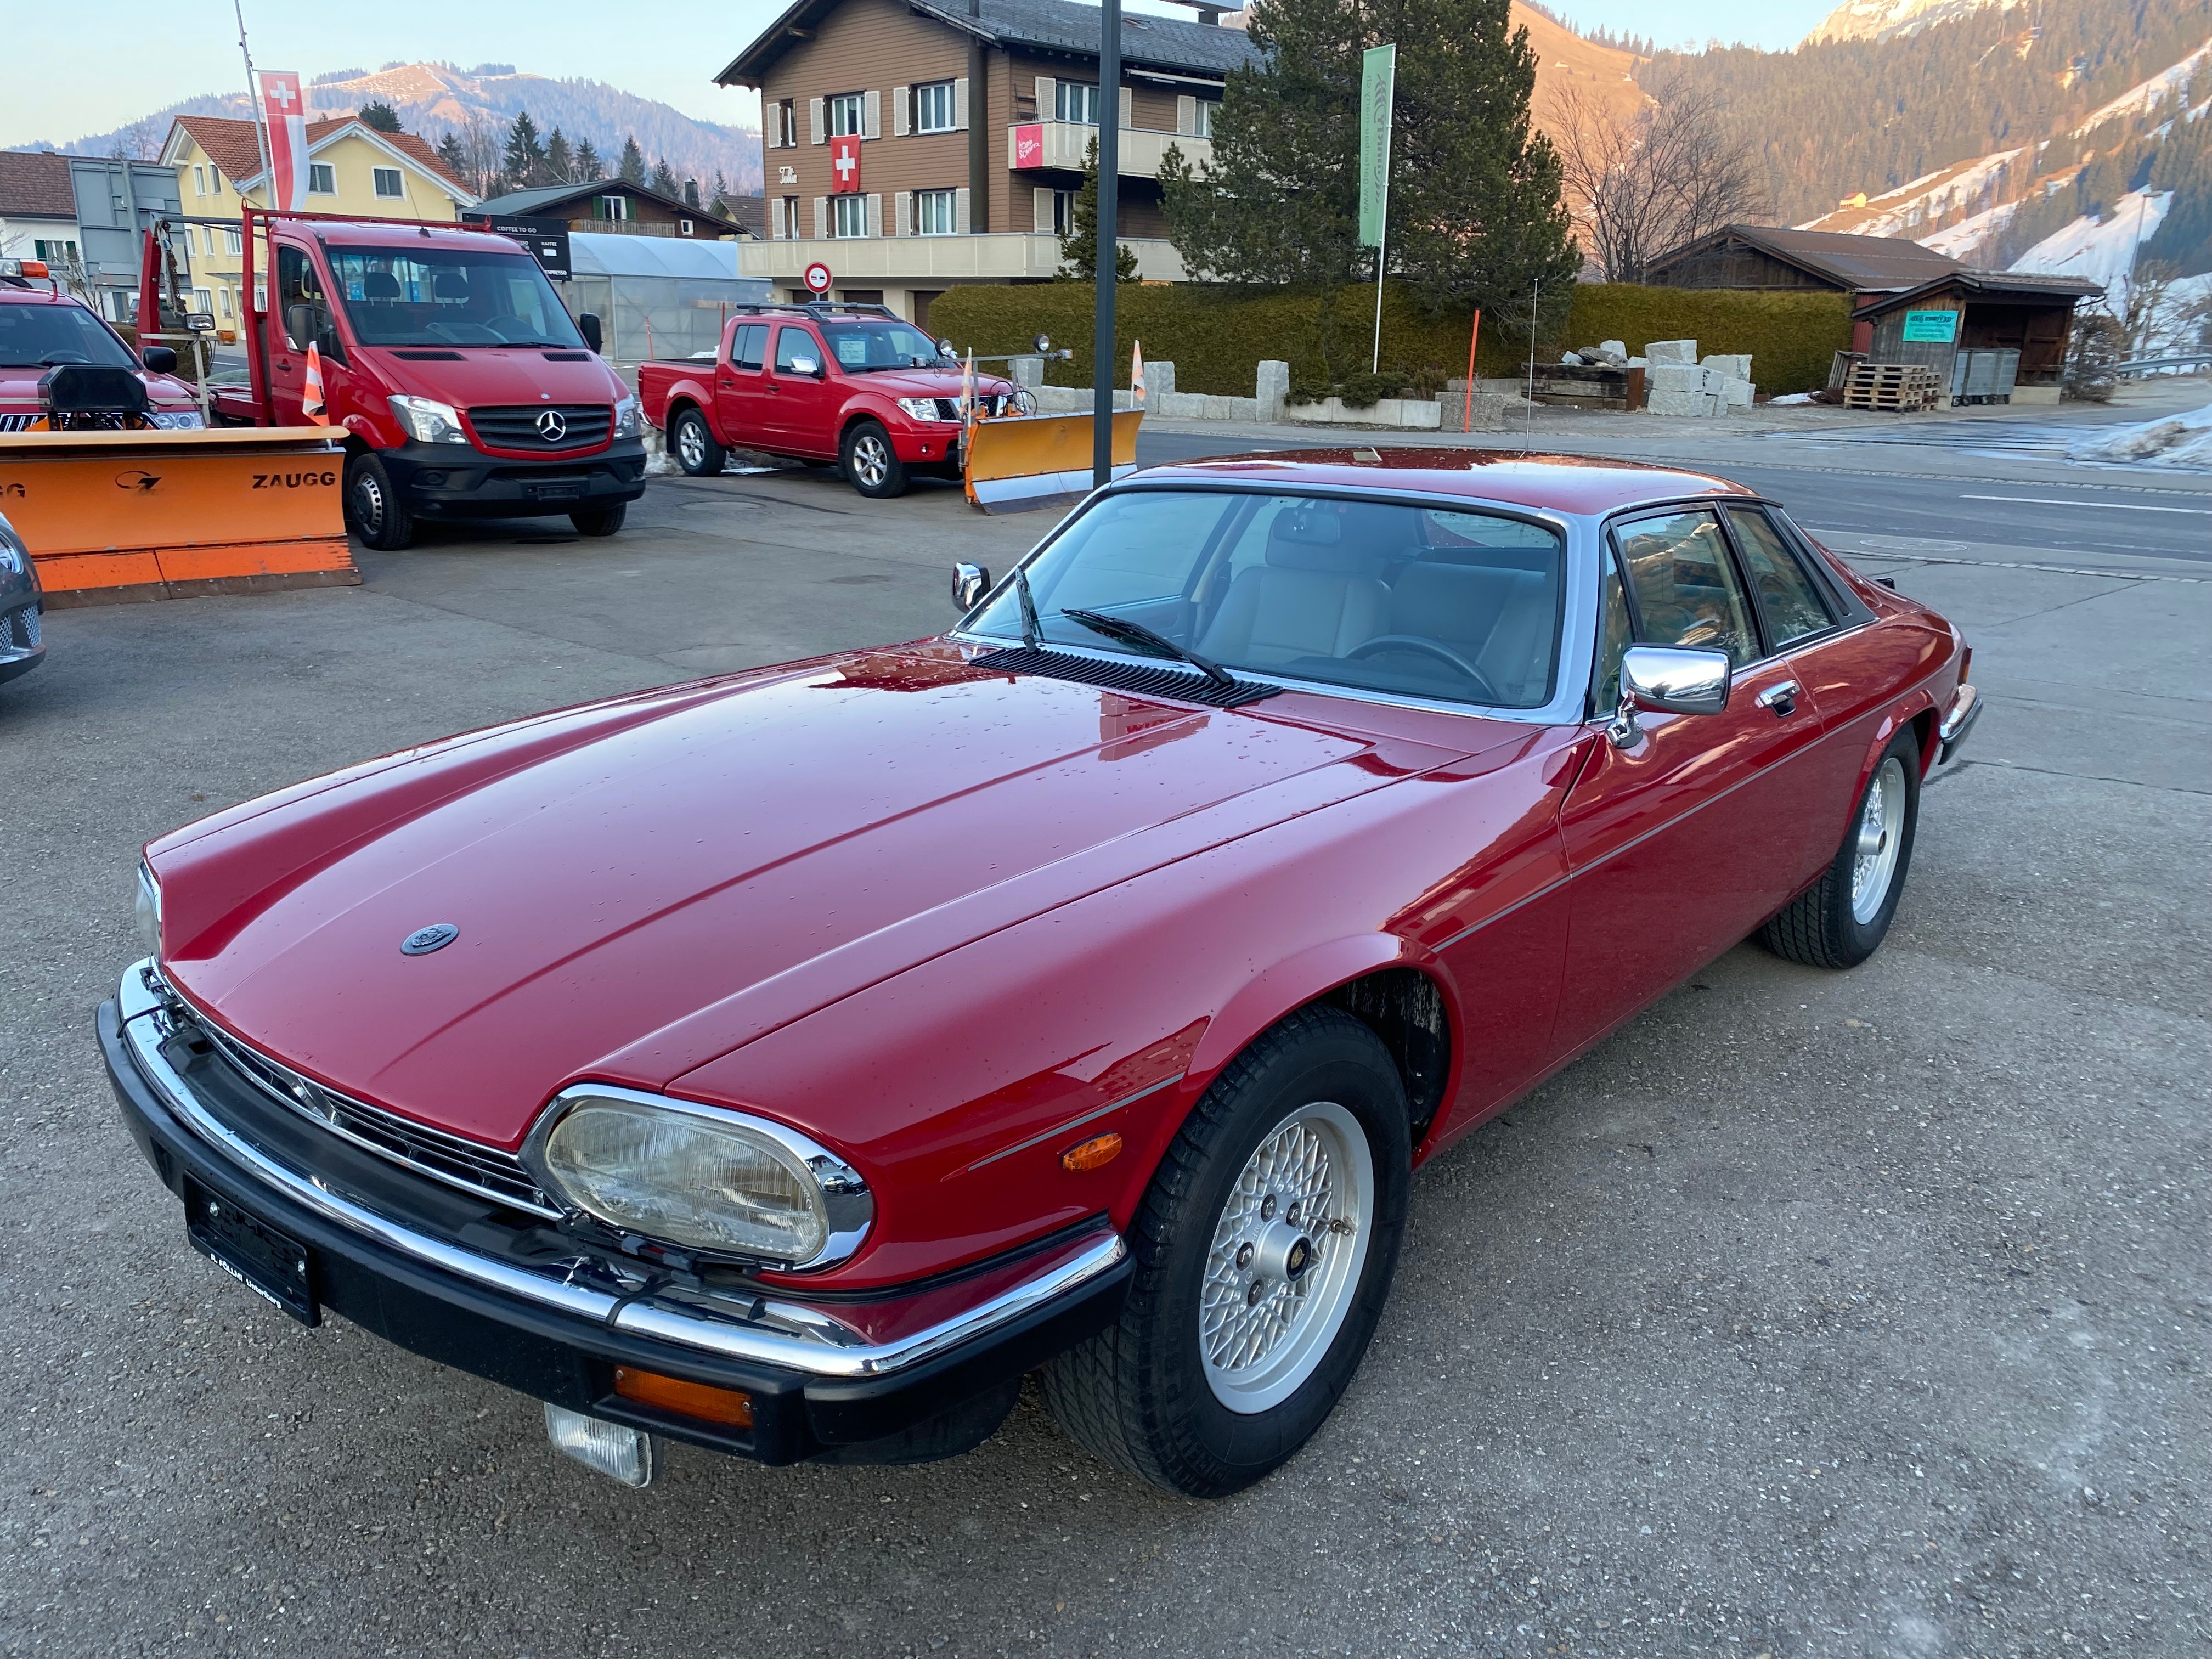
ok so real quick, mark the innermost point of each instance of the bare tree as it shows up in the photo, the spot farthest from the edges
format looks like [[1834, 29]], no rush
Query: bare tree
[[484, 152], [139, 142], [1638, 186], [2153, 317]]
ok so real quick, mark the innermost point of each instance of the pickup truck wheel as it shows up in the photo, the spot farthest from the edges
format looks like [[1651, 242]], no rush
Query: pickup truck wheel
[[374, 511], [692, 443], [1842, 918], [600, 520], [871, 466], [1264, 1249]]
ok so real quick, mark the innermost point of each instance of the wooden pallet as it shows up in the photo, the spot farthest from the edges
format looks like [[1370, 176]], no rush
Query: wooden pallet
[[1899, 386]]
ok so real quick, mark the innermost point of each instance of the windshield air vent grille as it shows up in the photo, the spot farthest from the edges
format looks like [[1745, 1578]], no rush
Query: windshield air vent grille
[[428, 356], [1139, 679]]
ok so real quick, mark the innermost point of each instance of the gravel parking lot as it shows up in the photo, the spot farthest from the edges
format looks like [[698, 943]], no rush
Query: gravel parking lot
[[1815, 1314]]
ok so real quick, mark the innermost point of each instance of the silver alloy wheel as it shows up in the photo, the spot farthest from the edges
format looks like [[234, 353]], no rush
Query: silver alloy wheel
[[871, 460], [691, 444], [1880, 834], [1286, 1256]]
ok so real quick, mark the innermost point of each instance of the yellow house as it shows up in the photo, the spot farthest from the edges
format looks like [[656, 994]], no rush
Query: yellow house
[[352, 168]]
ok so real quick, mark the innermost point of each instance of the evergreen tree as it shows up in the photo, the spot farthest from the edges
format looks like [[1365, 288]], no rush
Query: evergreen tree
[[455, 158], [379, 115], [523, 164], [560, 165], [633, 161], [664, 178], [719, 205], [589, 168], [1079, 249]]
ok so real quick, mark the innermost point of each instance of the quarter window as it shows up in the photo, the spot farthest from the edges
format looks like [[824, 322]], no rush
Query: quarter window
[[389, 182], [322, 179], [1792, 605], [844, 112], [1682, 587], [1075, 100], [749, 346], [933, 107], [935, 212]]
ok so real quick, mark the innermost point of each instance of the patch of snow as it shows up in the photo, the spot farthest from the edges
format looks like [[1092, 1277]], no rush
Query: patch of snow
[[1879, 20], [2178, 441], [1899, 212], [1969, 234], [1792, 398], [2104, 253], [2147, 95]]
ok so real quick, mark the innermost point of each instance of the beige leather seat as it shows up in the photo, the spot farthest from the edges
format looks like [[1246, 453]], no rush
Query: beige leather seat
[[1500, 620], [1314, 597]]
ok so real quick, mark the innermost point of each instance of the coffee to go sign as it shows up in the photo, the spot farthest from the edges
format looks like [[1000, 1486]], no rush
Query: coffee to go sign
[[1932, 327]]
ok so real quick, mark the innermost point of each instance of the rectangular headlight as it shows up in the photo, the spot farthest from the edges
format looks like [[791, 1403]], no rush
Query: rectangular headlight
[[699, 1178]]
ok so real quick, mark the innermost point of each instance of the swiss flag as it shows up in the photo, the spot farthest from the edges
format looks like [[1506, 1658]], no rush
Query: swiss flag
[[845, 165], [284, 112]]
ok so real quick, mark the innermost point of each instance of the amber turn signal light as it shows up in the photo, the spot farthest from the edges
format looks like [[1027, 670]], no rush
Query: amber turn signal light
[[1098, 1151], [731, 1407]]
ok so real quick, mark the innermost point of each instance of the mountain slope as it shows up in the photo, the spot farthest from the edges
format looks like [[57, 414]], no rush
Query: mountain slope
[[1884, 20]]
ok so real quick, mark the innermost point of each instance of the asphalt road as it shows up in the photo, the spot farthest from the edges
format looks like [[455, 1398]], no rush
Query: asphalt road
[[1815, 1314]]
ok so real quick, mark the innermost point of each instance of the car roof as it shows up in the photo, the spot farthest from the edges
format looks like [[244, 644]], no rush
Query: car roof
[[1578, 484], [10, 294], [338, 232]]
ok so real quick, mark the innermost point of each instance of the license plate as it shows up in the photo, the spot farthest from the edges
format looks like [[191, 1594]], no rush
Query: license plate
[[556, 492], [250, 1251]]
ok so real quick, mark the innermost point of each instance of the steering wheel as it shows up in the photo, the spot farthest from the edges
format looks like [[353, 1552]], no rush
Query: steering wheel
[[1444, 653]]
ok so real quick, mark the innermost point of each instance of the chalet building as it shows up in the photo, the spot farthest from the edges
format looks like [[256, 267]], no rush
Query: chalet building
[[1763, 257], [911, 145], [610, 206]]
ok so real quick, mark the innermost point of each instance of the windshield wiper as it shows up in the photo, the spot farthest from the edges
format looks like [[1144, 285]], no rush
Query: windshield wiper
[[1136, 634], [1032, 629]]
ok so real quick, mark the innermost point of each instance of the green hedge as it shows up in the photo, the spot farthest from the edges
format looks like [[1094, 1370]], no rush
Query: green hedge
[[1216, 336]]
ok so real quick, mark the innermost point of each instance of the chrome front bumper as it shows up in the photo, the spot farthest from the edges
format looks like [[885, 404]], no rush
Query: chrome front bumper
[[817, 1342], [1958, 720]]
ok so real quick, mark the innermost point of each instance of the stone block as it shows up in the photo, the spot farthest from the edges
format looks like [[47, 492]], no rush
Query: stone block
[[1736, 365], [1674, 377], [1159, 378], [1614, 346], [1274, 387], [1677, 403], [1739, 394], [1026, 371], [1671, 351]]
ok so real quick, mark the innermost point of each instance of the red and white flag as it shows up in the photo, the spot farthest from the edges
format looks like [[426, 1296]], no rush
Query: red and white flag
[[284, 114], [845, 164]]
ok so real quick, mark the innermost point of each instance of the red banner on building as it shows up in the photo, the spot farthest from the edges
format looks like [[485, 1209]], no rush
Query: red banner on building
[[1028, 146], [284, 114], [845, 165]]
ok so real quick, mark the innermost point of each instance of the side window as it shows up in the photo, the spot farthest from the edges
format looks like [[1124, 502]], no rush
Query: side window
[[1793, 605], [794, 346], [297, 285], [1682, 586], [750, 346], [1614, 632]]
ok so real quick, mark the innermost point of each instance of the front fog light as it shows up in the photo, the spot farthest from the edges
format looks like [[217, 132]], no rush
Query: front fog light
[[699, 1178], [629, 1455], [148, 909]]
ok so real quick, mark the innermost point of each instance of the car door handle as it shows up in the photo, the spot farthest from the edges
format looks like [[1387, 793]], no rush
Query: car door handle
[[1781, 697]]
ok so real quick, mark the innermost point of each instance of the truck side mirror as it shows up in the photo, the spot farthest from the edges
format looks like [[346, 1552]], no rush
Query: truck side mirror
[[588, 323], [159, 360]]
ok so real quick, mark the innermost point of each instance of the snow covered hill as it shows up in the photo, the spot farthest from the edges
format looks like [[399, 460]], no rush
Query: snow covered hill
[[1881, 20]]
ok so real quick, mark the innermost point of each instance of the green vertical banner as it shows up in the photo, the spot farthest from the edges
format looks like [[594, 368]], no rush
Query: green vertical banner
[[1378, 81]]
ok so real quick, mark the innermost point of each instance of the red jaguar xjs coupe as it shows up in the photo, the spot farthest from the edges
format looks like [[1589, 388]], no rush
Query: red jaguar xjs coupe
[[789, 1062]]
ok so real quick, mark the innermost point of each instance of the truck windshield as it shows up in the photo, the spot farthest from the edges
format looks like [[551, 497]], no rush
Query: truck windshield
[[863, 348], [40, 335], [449, 296]]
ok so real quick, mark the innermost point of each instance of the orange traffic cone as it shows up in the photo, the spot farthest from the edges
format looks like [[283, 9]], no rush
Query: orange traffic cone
[[311, 398]]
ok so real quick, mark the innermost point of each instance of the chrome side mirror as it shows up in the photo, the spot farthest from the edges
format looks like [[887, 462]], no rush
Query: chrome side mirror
[[805, 365], [1667, 679], [971, 582]]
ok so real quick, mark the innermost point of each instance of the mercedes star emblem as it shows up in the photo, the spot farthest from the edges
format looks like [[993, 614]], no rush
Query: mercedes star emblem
[[424, 940], [552, 426]]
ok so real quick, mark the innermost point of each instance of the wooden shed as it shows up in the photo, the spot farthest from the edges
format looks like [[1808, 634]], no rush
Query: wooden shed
[[1991, 336], [1773, 257]]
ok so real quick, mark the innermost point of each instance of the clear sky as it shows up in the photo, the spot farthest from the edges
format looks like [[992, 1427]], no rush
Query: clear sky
[[72, 70]]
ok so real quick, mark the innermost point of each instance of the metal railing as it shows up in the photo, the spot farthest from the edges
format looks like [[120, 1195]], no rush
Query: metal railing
[[2154, 365]]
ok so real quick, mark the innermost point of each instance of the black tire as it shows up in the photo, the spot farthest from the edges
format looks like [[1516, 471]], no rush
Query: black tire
[[1822, 928], [600, 520], [374, 511], [869, 463], [691, 442], [1139, 1393]]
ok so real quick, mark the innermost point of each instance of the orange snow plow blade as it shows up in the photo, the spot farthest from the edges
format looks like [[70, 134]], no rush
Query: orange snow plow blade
[[1025, 461], [118, 516]]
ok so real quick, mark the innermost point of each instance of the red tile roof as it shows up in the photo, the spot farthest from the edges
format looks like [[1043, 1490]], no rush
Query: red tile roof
[[231, 146], [35, 185]]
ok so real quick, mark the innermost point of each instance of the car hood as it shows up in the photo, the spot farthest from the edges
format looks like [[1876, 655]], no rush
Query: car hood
[[478, 377], [926, 383], [640, 892], [19, 389]]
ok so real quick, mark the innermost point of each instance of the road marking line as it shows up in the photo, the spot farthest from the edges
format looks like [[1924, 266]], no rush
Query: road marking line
[[2114, 506]]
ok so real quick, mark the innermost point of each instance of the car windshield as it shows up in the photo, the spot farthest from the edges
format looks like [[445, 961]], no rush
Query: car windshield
[[1430, 601], [447, 296], [864, 348], [42, 335]]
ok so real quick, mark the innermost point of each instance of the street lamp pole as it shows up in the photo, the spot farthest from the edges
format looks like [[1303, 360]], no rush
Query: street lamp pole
[[1103, 355]]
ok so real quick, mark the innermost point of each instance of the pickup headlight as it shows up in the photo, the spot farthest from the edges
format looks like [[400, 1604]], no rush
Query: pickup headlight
[[15, 558], [699, 1177], [149, 911], [177, 420], [428, 422], [924, 409], [628, 423]]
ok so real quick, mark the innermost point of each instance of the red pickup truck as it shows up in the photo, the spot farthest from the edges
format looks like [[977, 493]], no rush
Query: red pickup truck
[[851, 384], [42, 328], [463, 387]]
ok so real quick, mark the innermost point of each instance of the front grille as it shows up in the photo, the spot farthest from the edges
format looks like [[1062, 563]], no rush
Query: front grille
[[515, 426], [484, 1170], [1139, 679], [18, 631], [21, 422]]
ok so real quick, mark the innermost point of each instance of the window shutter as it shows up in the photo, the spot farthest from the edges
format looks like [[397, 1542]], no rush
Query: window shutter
[[1128, 106], [1046, 110], [875, 223], [960, 103], [871, 114], [901, 111], [903, 205], [1041, 211], [960, 210], [815, 122], [1186, 113], [820, 217], [769, 125]]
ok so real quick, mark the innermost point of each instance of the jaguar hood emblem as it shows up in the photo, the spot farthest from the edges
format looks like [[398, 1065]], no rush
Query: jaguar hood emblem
[[424, 940]]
